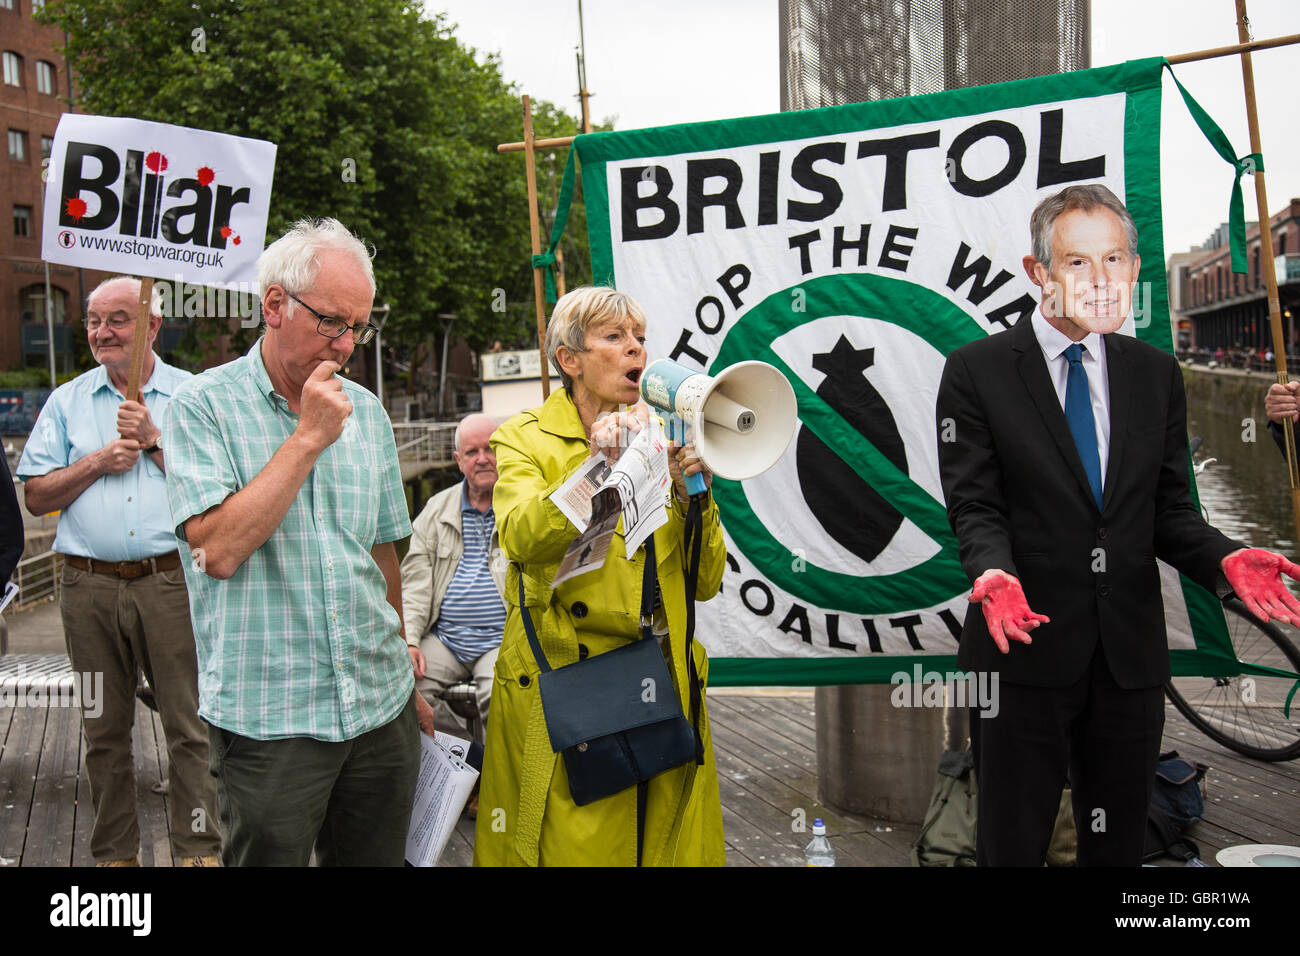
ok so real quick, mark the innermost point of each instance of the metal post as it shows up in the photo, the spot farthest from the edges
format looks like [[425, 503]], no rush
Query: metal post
[[379, 352], [442, 375], [49, 325]]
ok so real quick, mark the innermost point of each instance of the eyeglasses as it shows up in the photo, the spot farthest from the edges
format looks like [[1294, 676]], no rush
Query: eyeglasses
[[333, 328], [117, 322]]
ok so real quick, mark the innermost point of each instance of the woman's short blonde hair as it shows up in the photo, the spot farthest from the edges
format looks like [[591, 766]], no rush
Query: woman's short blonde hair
[[578, 311]]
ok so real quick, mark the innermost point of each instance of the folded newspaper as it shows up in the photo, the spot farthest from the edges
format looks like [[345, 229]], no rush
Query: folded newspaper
[[597, 495], [441, 792]]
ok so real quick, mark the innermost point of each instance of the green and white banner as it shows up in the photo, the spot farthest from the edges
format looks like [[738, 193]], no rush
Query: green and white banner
[[853, 248]]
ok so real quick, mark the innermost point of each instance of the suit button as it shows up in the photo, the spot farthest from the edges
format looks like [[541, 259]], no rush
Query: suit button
[[582, 652], [1104, 590], [1101, 534], [579, 610], [524, 680]]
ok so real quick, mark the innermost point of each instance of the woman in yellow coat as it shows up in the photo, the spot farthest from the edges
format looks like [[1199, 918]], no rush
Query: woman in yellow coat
[[526, 816]]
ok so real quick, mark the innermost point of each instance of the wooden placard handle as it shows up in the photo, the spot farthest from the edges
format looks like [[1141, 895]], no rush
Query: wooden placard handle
[[140, 344]]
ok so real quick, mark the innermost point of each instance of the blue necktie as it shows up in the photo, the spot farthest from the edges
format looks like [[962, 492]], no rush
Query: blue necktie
[[1078, 415]]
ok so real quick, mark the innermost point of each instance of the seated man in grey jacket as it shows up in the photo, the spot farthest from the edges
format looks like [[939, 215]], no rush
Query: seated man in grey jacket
[[453, 575]]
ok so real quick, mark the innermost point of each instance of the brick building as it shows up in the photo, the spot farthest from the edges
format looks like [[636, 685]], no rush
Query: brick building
[[34, 93], [1219, 309]]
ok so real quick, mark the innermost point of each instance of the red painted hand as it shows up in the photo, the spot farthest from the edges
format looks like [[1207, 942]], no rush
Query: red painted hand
[[1006, 611], [1256, 576]]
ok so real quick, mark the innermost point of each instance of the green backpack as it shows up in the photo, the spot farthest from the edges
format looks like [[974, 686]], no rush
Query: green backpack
[[947, 836]]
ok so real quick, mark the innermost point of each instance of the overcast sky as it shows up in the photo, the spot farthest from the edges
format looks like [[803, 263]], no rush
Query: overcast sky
[[679, 61]]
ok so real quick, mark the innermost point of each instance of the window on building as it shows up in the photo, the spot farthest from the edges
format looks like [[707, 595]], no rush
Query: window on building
[[47, 146], [7, 4], [22, 220], [45, 77], [13, 68], [32, 301], [18, 145]]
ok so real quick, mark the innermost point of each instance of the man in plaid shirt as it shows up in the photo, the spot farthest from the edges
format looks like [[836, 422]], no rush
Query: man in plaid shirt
[[285, 487]]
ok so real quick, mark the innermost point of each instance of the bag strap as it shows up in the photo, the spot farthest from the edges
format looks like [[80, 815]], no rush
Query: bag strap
[[649, 582], [693, 542], [1171, 843]]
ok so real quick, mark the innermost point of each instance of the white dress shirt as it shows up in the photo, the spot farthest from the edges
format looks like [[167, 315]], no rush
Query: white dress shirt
[[1054, 342]]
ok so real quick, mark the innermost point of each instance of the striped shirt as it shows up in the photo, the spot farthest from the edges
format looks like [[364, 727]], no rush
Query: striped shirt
[[472, 617], [300, 641]]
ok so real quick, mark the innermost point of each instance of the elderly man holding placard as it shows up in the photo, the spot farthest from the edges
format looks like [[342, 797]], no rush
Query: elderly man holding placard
[[97, 456], [285, 484]]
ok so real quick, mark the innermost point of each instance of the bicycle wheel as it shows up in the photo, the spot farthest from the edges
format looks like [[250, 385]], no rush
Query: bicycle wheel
[[1246, 712]]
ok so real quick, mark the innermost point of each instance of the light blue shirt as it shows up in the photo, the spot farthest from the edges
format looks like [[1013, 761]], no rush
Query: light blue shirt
[[120, 517]]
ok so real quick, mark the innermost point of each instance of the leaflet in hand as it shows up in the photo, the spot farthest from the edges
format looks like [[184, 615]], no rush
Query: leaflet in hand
[[598, 495]]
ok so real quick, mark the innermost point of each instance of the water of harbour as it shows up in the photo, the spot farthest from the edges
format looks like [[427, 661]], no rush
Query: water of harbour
[[1245, 491]]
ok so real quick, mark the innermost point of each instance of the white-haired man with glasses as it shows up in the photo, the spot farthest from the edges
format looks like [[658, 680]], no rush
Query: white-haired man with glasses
[[285, 487], [96, 455]]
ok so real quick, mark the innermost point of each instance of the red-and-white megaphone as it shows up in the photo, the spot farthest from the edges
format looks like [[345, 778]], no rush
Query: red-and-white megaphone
[[741, 420]]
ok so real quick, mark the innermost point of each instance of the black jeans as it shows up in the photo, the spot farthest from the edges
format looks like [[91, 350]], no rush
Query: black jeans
[[351, 800]]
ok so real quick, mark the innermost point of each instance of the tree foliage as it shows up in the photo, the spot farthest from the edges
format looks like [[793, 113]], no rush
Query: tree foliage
[[382, 119]]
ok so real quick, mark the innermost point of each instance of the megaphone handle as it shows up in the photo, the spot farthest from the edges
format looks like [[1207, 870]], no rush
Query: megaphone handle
[[679, 431]]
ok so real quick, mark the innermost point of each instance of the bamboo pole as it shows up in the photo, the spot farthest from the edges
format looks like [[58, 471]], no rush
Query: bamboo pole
[[139, 344], [1266, 254], [1244, 47], [553, 143], [534, 226]]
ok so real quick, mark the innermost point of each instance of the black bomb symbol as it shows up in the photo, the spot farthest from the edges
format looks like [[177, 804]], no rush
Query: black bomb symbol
[[850, 510]]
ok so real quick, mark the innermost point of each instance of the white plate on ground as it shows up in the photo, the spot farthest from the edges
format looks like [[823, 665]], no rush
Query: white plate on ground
[[1259, 854]]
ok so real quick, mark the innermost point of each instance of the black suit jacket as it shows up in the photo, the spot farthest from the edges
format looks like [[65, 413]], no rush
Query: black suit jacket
[[1018, 499]]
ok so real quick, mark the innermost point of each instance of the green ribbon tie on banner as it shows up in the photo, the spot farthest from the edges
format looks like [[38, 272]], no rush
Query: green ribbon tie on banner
[[547, 259], [1250, 163]]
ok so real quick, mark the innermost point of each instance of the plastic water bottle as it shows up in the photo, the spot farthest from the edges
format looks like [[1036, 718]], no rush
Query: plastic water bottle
[[819, 852]]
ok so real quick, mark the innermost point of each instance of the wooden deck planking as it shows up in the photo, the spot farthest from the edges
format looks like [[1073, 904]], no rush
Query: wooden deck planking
[[151, 808], [767, 778], [769, 806], [766, 753], [18, 764], [798, 771], [53, 814]]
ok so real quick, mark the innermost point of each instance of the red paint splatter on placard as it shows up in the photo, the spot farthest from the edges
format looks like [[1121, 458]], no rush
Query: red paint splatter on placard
[[76, 208], [156, 162], [235, 240], [225, 232], [205, 175]]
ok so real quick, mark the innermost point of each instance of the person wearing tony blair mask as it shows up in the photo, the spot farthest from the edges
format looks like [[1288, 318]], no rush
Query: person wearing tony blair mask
[[1066, 476], [528, 812]]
